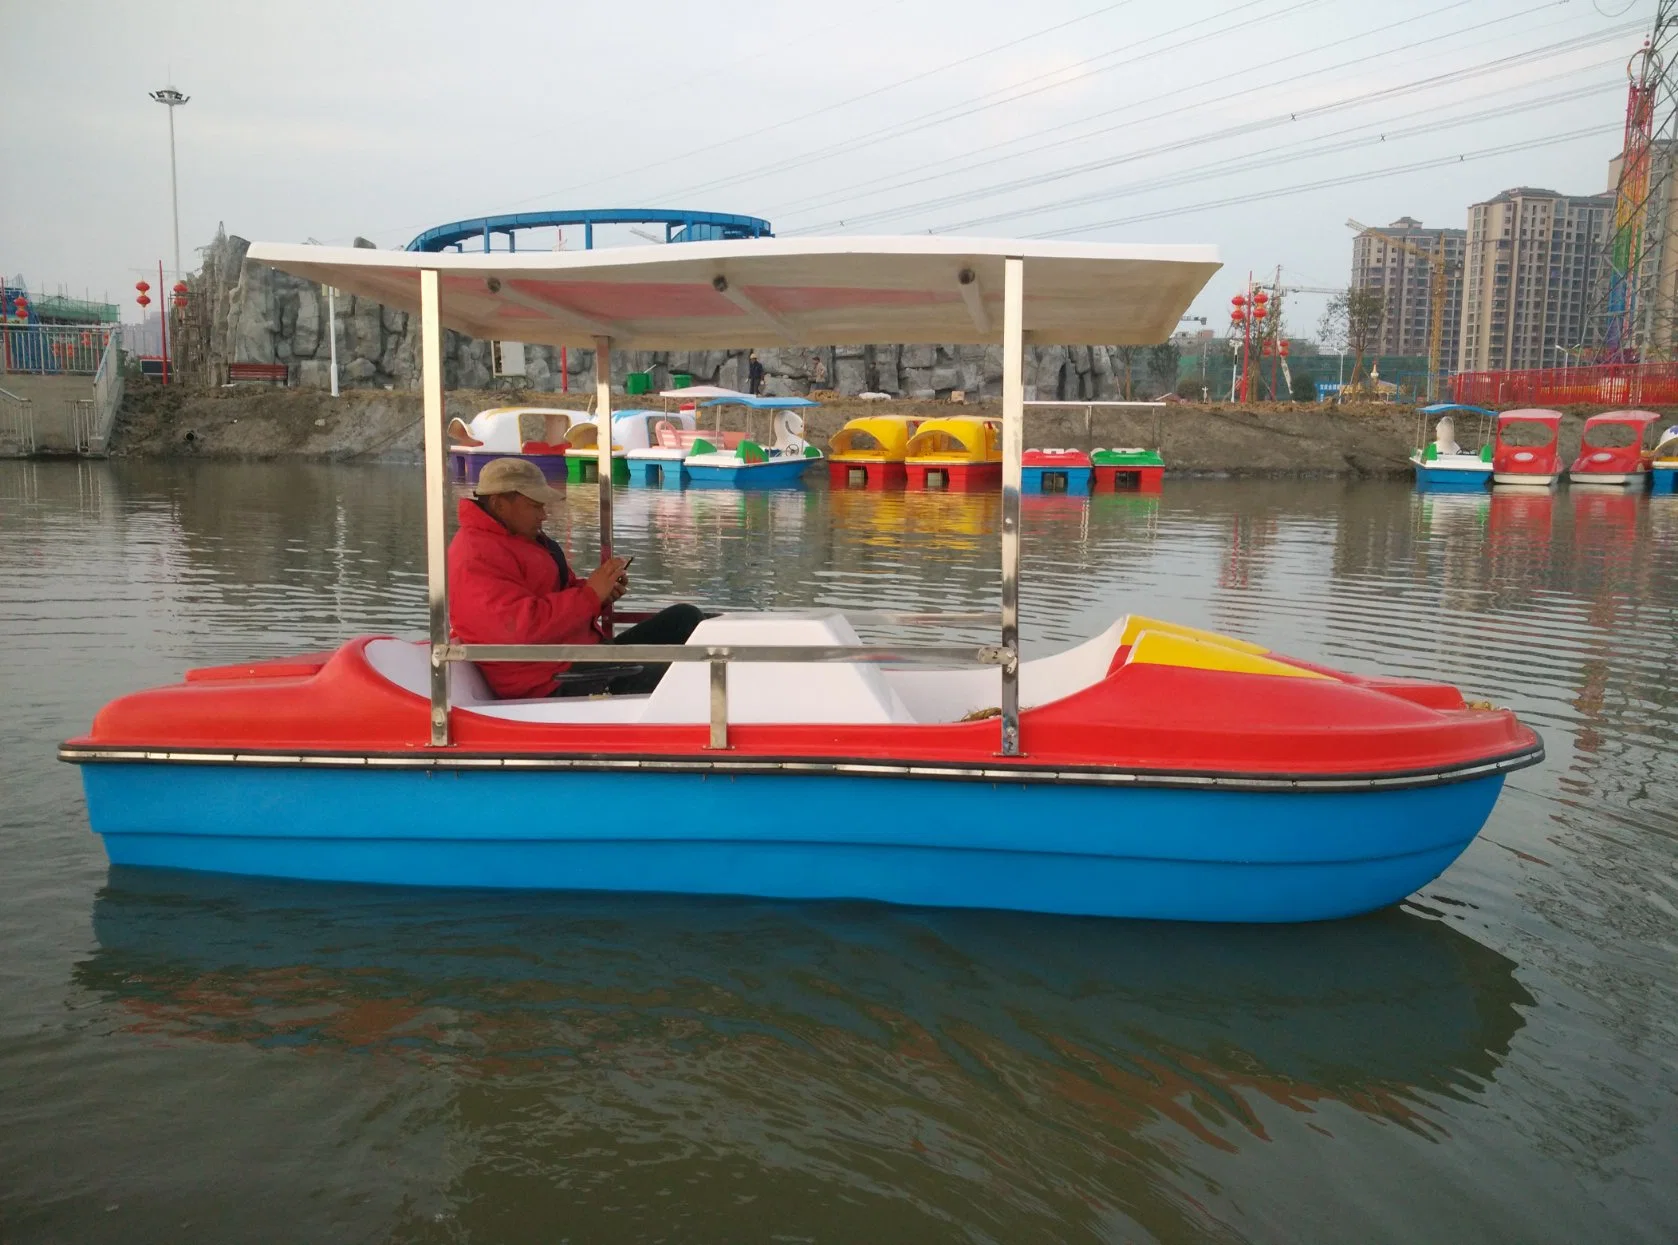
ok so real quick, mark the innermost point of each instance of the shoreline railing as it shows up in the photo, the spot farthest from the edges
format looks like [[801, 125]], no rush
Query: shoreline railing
[[107, 398], [54, 349], [1609, 384], [17, 426]]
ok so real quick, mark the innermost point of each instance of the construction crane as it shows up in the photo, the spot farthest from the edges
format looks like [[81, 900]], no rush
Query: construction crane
[[1437, 269], [1279, 290]]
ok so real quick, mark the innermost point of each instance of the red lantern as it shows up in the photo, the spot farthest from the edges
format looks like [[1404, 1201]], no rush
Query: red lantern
[[143, 300], [1284, 350], [20, 304], [1240, 300], [142, 286], [1238, 316], [180, 293], [1261, 297]]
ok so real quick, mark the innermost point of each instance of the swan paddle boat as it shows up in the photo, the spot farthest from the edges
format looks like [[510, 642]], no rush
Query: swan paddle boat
[[1525, 451], [1611, 449], [746, 464], [1153, 770], [1663, 465], [962, 452], [868, 452], [500, 432], [1442, 464]]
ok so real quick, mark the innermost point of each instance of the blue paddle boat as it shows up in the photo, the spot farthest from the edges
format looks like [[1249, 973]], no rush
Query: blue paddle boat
[[1443, 465]]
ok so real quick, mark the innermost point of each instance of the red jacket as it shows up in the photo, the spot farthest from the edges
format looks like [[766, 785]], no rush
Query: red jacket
[[507, 589]]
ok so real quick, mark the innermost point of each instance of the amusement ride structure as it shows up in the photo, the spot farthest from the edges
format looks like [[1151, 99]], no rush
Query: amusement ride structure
[[678, 226]]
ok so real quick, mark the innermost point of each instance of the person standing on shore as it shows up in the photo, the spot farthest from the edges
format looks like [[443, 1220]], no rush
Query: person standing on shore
[[754, 375]]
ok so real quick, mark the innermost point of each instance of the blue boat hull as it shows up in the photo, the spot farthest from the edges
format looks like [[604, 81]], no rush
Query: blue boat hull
[[1450, 479], [777, 473], [1182, 854]]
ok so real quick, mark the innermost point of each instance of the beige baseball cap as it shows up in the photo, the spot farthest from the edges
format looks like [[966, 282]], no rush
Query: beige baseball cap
[[515, 475]]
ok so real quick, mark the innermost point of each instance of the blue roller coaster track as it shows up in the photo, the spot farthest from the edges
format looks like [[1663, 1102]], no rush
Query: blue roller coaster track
[[679, 226]]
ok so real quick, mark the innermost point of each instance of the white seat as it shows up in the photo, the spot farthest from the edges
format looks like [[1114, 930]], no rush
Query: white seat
[[937, 695], [777, 692], [766, 693]]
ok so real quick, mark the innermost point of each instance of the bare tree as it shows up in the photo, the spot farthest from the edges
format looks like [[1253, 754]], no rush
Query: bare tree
[[1163, 362], [1352, 323], [1128, 356]]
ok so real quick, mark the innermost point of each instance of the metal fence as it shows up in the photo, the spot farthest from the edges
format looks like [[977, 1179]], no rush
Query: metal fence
[[1613, 384], [54, 349], [17, 426], [107, 398]]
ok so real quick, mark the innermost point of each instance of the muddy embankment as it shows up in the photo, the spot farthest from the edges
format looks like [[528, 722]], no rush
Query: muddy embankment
[[384, 425]]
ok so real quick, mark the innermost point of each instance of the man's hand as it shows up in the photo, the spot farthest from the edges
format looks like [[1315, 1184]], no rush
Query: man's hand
[[609, 582]]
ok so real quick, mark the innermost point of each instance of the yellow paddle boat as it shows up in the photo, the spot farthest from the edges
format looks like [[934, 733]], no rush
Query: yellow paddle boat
[[869, 452], [962, 452]]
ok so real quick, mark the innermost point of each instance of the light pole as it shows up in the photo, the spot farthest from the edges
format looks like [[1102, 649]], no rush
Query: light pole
[[173, 99]]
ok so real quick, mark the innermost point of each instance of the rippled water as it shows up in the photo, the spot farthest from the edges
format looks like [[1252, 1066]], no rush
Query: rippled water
[[196, 1058]]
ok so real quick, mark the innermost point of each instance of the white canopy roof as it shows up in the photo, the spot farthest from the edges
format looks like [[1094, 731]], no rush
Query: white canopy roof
[[781, 291]]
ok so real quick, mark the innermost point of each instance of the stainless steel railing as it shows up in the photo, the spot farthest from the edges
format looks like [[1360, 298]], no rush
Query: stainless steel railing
[[719, 655], [107, 397], [17, 425]]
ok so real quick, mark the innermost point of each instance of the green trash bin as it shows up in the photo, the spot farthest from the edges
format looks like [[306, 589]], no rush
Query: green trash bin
[[638, 382], [680, 380]]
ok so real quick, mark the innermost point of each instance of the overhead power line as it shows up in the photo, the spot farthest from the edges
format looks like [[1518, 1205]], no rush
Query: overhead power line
[[1349, 179], [965, 163], [1305, 149], [870, 94], [1243, 129], [955, 112]]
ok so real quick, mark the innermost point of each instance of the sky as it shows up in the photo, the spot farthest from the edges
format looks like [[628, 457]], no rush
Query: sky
[[1260, 126]]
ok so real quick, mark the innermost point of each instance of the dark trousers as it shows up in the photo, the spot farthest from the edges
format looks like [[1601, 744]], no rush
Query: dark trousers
[[672, 625]]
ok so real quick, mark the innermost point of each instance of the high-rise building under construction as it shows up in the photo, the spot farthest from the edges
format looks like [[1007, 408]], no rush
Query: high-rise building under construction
[[1404, 277]]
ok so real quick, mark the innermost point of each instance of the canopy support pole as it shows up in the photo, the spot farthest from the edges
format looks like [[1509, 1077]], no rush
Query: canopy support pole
[[603, 452], [436, 496], [1013, 450]]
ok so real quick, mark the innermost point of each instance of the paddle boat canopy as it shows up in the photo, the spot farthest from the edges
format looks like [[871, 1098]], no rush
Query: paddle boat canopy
[[1611, 449], [869, 451], [1153, 770], [540, 434], [1525, 451], [958, 452], [651, 441], [745, 463], [1444, 464]]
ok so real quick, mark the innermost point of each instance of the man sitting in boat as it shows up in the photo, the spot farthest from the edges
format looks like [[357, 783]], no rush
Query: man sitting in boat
[[509, 583]]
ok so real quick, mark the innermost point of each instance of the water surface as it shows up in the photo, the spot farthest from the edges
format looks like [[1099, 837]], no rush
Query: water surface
[[193, 1058]]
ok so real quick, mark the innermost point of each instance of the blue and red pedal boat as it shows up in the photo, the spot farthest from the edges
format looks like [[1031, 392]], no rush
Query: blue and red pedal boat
[[1151, 771]]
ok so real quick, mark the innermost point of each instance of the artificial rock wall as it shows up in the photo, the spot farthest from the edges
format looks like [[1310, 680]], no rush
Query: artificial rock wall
[[250, 313]]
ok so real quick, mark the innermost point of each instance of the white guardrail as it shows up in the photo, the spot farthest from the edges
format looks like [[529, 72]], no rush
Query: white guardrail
[[17, 426], [107, 398]]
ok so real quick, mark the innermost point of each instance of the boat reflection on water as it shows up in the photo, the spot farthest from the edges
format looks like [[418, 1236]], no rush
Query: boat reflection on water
[[1077, 1061]]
